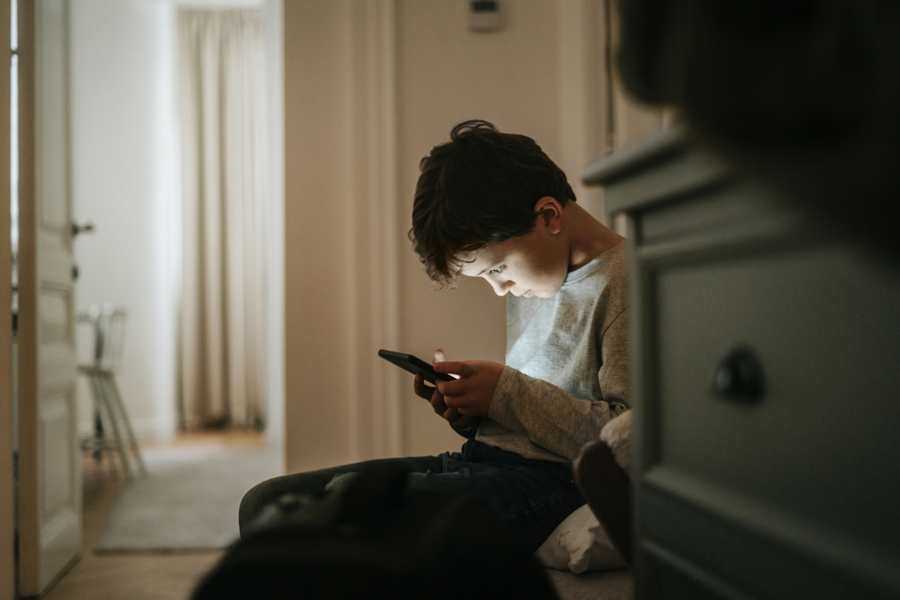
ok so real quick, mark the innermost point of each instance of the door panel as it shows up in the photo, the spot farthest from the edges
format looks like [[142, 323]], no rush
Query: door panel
[[49, 461], [55, 306], [51, 105]]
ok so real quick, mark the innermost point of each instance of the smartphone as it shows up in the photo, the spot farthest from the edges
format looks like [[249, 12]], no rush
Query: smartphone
[[414, 365]]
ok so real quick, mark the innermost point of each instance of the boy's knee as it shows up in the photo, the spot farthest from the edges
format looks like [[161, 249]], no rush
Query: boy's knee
[[251, 505], [261, 495], [340, 481]]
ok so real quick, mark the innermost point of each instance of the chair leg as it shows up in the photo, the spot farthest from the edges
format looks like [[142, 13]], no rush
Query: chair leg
[[98, 432], [108, 402], [101, 406], [120, 406]]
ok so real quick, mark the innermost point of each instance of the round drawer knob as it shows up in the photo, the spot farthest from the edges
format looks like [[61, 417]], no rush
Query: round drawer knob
[[739, 376]]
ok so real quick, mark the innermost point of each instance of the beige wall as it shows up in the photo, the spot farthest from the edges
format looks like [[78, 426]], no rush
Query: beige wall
[[447, 74], [370, 87], [316, 269]]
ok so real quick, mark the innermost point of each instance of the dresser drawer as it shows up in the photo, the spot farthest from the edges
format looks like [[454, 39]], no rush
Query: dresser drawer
[[789, 490], [823, 321]]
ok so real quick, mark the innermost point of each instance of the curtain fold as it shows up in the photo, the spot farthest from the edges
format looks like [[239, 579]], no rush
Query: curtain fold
[[221, 107]]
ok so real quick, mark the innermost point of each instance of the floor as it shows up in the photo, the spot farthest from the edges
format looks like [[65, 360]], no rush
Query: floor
[[158, 576]]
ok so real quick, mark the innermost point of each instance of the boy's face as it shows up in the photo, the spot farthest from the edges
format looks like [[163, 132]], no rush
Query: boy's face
[[534, 264]]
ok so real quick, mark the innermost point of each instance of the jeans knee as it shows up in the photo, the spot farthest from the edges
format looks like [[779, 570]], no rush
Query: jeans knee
[[340, 481], [251, 504]]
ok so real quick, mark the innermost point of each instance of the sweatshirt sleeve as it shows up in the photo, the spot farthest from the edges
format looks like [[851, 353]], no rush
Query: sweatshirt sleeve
[[550, 417]]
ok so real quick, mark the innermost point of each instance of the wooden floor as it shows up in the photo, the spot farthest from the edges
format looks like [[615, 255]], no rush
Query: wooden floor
[[157, 576]]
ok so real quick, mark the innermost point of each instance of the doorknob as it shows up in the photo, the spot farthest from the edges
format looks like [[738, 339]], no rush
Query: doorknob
[[739, 376], [86, 227]]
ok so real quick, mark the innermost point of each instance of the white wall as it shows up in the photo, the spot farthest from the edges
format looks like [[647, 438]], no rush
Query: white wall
[[123, 177], [126, 180]]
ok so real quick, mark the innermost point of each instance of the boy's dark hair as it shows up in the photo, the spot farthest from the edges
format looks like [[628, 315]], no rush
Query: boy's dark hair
[[478, 189]]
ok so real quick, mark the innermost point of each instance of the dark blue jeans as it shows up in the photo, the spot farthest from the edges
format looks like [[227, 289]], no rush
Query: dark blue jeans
[[531, 496]]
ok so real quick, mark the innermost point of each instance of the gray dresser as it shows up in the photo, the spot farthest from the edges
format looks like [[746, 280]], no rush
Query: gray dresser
[[765, 374]]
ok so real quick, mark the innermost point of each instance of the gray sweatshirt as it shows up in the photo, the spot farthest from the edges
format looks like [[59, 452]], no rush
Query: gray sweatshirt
[[566, 371]]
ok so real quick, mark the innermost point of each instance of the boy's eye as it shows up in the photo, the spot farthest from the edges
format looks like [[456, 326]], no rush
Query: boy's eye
[[497, 270]]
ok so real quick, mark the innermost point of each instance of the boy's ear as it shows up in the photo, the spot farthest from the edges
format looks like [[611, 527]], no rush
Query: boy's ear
[[550, 211]]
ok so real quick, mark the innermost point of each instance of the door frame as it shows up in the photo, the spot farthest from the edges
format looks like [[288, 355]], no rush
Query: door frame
[[7, 483]]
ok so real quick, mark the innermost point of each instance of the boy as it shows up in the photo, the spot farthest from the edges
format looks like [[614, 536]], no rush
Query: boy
[[493, 205]]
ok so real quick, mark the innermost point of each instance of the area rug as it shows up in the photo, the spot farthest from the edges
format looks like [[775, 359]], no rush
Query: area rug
[[188, 500]]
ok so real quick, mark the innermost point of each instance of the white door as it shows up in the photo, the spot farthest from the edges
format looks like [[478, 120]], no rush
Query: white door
[[49, 461]]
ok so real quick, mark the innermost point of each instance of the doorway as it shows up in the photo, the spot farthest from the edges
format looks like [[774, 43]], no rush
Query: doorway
[[126, 148]]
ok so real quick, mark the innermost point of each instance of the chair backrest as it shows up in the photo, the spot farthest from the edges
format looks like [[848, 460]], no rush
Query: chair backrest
[[108, 324]]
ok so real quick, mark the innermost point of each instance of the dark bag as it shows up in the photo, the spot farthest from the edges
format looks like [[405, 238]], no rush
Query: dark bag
[[375, 538]]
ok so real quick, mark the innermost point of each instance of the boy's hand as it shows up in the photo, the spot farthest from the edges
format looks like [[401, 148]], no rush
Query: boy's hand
[[471, 393], [437, 399]]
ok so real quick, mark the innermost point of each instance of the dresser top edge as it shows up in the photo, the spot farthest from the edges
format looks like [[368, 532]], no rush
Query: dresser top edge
[[638, 156]]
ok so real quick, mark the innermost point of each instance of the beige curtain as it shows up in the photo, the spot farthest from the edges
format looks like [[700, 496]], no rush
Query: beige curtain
[[221, 92]]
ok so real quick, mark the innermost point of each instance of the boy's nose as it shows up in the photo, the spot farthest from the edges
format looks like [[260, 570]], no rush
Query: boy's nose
[[501, 287]]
